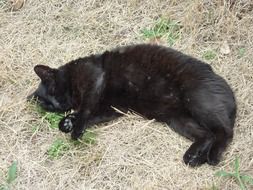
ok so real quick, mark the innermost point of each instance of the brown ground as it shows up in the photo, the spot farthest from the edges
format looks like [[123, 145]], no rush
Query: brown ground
[[130, 153]]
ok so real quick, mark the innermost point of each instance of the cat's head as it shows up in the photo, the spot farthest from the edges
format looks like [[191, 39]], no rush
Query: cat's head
[[53, 92]]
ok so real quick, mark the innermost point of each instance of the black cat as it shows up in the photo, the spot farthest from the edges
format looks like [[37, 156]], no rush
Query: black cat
[[155, 81]]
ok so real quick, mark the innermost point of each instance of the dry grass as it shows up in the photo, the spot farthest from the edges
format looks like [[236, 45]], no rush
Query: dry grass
[[130, 153]]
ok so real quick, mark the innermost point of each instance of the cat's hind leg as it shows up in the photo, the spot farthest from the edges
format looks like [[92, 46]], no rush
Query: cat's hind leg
[[223, 136], [214, 109], [203, 139], [210, 138]]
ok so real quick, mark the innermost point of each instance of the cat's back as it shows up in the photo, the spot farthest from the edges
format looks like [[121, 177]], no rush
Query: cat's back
[[144, 61], [149, 54], [156, 58]]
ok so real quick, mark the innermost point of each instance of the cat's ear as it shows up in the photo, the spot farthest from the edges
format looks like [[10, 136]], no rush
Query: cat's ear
[[44, 72]]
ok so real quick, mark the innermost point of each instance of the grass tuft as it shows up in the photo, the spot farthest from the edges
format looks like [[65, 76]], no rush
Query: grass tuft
[[89, 137], [58, 148], [12, 175], [52, 117], [132, 154], [241, 52], [242, 179], [163, 28], [209, 55]]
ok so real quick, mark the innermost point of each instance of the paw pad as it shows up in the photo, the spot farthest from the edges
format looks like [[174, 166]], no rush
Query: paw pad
[[68, 124]]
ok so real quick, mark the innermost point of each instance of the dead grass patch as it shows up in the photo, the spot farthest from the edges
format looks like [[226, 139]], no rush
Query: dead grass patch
[[129, 153]]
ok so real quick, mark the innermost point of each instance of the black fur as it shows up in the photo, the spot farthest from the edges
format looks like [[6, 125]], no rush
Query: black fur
[[155, 81]]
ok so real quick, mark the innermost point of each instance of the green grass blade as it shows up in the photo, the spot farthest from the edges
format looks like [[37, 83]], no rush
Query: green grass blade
[[224, 174], [241, 52], [209, 55], [163, 28], [148, 33], [3, 187], [12, 173], [89, 137], [58, 148], [242, 186], [236, 166], [237, 173], [52, 117], [247, 179]]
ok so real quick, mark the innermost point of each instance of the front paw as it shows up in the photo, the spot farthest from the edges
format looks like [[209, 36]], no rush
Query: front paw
[[75, 135], [66, 125]]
